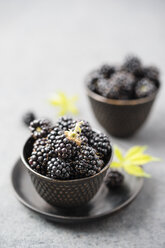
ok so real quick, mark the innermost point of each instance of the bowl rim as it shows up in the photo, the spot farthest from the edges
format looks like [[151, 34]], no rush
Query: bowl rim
[[58, 180], [130, 102]]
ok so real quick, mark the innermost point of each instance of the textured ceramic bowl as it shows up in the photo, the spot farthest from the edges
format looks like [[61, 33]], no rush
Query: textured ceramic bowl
[[63, 193], [121, 118]]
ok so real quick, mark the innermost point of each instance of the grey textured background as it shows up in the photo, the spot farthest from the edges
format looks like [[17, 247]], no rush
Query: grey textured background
[[51, 45]]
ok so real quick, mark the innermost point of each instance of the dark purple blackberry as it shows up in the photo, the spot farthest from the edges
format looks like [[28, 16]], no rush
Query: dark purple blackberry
[[39, 156], [152, 73], [86, 129], [133, 65], [144, 88], [100, 142], [92, 79], [87, 163], [107, 70], [65, 123], [41, 142], [39, 128], [114, 179], [121, 86], [63, 147], [103, 87], [28, 117], [58, 169]]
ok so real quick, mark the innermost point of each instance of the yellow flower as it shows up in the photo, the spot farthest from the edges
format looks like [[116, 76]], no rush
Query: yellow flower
[[65, 104], [133, 160]]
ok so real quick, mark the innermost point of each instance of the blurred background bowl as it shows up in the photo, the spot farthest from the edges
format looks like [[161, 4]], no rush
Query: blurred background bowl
[[121, 118], [64, 193]]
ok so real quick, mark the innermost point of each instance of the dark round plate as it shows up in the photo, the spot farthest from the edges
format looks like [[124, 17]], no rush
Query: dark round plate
[[106, 202]]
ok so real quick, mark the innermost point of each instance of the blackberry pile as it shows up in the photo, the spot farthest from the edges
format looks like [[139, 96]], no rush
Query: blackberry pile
[[126, 81], [68, 150]]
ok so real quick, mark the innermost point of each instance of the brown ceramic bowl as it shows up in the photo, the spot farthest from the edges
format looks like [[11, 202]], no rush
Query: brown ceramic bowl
[[121, 118], [63, 193]]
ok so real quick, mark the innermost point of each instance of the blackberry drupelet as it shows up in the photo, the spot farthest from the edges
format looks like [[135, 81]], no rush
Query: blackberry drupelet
[[101, 143], [107, 71], [133, 65], [121, 86], [28, 117], [39, 128], [87, 163], [144, 88], [114, 179], [58, 169], [65, 123]]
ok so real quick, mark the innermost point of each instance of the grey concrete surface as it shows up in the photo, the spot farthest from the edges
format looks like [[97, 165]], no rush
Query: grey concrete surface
[[47, 46]]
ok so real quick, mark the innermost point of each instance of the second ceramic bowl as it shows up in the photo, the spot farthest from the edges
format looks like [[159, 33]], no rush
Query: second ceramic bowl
[[120, 118]]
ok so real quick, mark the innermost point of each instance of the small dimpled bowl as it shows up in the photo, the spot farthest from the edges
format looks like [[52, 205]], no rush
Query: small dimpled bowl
[[63, 193], [121, 118]]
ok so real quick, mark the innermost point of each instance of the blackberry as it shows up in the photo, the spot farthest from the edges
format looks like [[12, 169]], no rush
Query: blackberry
[[62, 146], [121, 86], [101, 143], [28, 117], [86, 129], [133, 65], [152, 73], [107, 70], [65, 123], [39, 157], [87, 163], [58, 169], [103, 87], [41, 142], [144, 88], [92, 79], [39, 128], [114, 179]]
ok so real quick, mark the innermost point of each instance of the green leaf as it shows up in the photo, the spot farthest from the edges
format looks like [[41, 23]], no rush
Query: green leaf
[[118, 153], [64, 103], [136, 171], [135, 150], [116, 164], [142, 159]]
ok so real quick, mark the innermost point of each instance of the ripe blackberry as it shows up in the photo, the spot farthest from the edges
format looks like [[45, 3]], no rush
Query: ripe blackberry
[[28, 117], [65, 123], [103, 87], [101, 143], [62, 146], [107, 70], [86, 129], [144, 88], [39, 128], [121, 86], [92, 79], [114, 179], [133, 65], [58, 169], [87, 163], [39, 158], [152, 73]]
